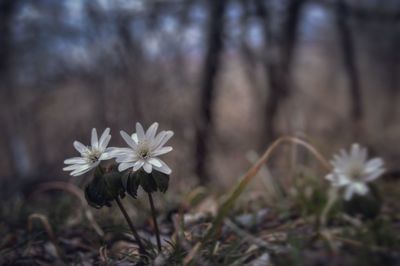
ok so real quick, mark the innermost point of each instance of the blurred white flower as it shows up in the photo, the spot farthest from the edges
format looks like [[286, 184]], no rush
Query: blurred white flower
[[90, 155], [353, 171], [144, 149]]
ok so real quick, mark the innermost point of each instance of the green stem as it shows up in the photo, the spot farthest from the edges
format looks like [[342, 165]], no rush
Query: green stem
[[153, 212], [142, 250], [332, 197]]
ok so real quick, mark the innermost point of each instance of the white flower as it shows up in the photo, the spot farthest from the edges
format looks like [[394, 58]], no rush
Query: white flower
[[353, 171], [90, 155], [144, 149]]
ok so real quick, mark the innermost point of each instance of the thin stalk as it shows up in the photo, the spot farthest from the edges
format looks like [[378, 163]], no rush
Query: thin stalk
[[142, 250], [332, 197], [153, 212], [239, 188]]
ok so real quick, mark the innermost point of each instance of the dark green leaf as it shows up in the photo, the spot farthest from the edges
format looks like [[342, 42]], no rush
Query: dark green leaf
[[162, 180], [367, 206], [104, 188], [130, 183], [113, 183], [146, 181]]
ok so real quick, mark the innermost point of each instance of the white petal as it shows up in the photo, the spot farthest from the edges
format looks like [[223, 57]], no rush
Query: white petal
[[128, 139], [75, 160], [342, 180], [78, 173], [84, 169], [126, 158], [147, 167], [105, 138], [360, 188], [330, 177], [137, 165], [154, 143], [151, 132], [119, 151], [363, 154], [343, 154], [140, 131], [373, 165], [155, 161], [374, 175], [123, 166], [105, 142], [348, 193], [166, 135], [106, 156], [94, 139], [162, 151], [123, 159], [355, 150], [338, 180], [75, 167], [80, 147], [164, 168], [135, 138]]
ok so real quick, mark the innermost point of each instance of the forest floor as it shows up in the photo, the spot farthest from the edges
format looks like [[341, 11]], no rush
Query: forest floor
[[249, 235], [53, 225]]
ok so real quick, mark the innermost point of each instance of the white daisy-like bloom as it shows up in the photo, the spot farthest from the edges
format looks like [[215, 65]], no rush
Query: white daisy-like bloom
[[90, 155], [353, 171], [144, 149]]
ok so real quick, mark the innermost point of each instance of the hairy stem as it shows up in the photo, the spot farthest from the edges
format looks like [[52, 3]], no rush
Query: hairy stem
[[142, 250], [153, 212]]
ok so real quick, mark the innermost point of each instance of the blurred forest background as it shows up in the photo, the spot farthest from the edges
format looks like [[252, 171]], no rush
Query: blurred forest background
[[227, 76]]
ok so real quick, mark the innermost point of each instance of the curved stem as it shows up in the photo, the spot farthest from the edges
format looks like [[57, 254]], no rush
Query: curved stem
[[237, 191], [153, 212], [332, 197], [142, 250]]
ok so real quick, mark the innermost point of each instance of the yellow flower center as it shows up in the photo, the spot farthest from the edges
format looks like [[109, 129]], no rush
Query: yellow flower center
[[143, 150], [93, 156], [355, 172]]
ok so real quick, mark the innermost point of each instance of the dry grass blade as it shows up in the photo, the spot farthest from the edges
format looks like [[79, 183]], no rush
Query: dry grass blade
[[47, 227], [181, 239], [230, 201], [103, 254], [75, 191], [333, 195], [356, 243], [252, 239], [192, 254]]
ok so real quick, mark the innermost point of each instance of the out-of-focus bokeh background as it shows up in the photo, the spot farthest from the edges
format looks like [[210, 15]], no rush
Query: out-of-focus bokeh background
[[228, 77]]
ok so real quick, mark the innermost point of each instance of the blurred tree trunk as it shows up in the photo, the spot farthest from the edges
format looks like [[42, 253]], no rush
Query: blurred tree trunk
[[250, 58], [392, 80], [347, 46], [280, 46], [208, 83], [130, 57], [8, 101]]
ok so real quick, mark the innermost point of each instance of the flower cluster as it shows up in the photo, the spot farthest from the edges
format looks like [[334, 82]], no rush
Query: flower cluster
[[137, 165], [143, 151]]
